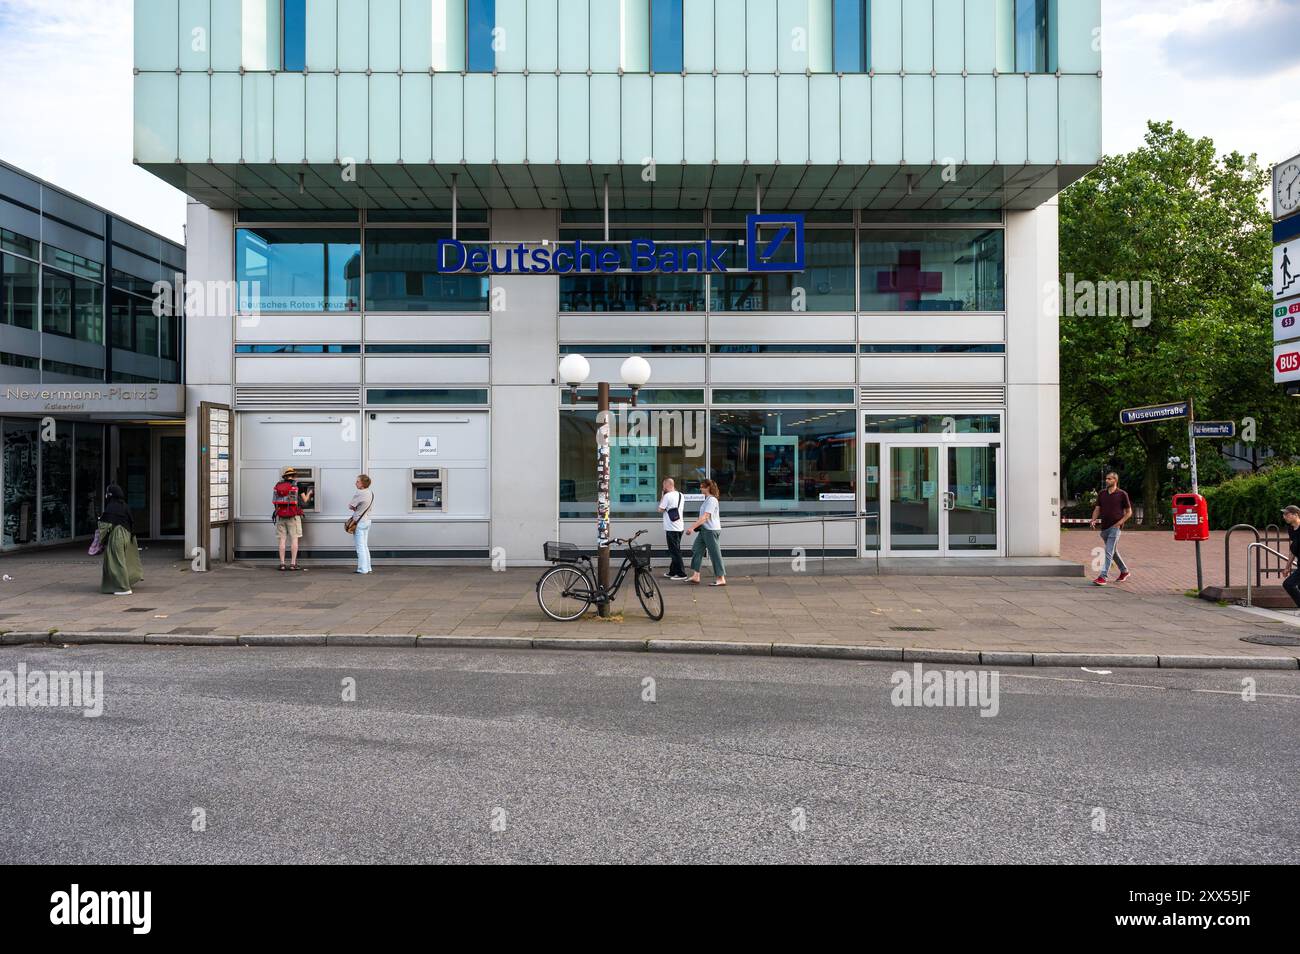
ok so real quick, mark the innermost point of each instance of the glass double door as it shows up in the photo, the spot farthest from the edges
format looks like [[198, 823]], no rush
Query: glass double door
[[935, 499]]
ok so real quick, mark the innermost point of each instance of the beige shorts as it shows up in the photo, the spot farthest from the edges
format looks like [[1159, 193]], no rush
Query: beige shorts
[[290, 527]]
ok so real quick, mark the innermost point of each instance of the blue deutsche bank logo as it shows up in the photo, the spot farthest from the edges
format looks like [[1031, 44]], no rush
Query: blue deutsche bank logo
[[774, 242]]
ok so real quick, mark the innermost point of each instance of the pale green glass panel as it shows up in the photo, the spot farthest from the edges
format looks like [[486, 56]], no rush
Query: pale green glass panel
[[697, 37], [575, 35], [887, 35], [480, 118], [510, 36], [354, 117], [634, 35], [606, 118], [918, 120], [887, 119], [448, 118], [981, 115], [981, 35], [855, 118], [322, 117], [792, 36], [729, 118], [1078, 36], [417, 117], [918, 36], [574, 118], [156, 38], [512, 117], [385, 23], [792, 118], [1054, 35], [194, 34], [385, 117], [354, 38], [156, 97], [290, 117], [1044, 129], [543, 117], [259, 117], [760, 119], [667, 102], [729, 35], [760, 36], [949, 119], [1005, 25], [194, 117], [1013, 145], [322, 37], [606, 35], [949, 38], [417, 36], [637, 145], [697, 107], [448, 40], [227, 106], [1080, 112], [821, 36], [261, 35], [225, 40], [823, 120], [543, 36]]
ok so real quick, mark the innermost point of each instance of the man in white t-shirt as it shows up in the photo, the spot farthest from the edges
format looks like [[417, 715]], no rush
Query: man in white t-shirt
[[671, 505]]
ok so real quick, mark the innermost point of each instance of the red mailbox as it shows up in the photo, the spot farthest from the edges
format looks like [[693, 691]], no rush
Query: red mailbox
[[1191, 517]]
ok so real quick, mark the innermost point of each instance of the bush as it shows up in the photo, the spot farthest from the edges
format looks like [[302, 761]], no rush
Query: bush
[[1256, 499]]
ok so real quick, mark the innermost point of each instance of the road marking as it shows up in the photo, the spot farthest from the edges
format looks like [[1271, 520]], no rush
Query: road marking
[[1142, 685]]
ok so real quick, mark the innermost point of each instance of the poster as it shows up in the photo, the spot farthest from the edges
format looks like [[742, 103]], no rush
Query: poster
[[780, 469]]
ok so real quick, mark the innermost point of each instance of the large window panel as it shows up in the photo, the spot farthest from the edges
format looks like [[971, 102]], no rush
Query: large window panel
[[482, 18], [295, 35], [932, 270], [1034, 51], [21, 450], [630, 291], [400, 273], [852, 31], [56, 486], [89, 476], [784, 459], [298, 270], [825, 285], [666, 27], [18, 291]]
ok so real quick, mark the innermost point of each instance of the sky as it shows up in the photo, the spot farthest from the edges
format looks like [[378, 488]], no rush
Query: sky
[[1227, 69]]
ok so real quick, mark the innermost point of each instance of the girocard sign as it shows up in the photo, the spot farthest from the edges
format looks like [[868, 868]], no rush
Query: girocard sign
[[1154, 413], [774, 242]]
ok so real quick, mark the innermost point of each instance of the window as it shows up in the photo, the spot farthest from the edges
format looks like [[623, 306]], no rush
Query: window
[[400, 272], [89, 476], [426, 396], [17, 292], [298, 270], [297, 349], [932, 270], [56, 486], [295, 35], [666, 36], [1035, 51], [133, 326], [73, 307], [933, 424], [625, 291], [480, 39], [21, 448], [826, 284], [852, 30]]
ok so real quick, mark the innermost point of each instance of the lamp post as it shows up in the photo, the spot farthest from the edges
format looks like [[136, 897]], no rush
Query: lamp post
[[574, 370]]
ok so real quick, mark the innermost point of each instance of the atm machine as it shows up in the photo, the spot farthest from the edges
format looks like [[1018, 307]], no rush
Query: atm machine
[[305, 478], [428, 489]]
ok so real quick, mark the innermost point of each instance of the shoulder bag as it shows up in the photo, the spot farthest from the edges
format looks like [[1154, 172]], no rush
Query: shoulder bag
[[351, 525]]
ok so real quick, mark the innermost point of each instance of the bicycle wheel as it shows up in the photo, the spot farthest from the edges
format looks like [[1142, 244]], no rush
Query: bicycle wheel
[[564, 593], [647, 591]]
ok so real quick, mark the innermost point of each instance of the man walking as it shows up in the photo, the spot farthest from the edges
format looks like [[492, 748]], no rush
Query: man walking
[[1291, 516], [1113, 510], [670, 505], [288, 515]]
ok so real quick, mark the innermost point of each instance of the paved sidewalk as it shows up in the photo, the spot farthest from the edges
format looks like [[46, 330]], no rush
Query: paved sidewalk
[[60, 591]]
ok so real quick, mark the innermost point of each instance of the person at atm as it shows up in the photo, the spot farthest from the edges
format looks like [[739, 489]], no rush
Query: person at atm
[[288, 502], [1291, 516], [1113, 510]]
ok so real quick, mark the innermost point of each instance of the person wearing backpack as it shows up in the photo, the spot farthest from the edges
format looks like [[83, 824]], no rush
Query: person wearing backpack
[[287, 502], [670, 505]]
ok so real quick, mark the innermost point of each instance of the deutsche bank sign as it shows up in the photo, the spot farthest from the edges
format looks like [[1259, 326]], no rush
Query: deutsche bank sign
[[774, 242]]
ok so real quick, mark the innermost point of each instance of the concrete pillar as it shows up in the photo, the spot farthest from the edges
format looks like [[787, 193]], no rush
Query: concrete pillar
[[1033, 440]]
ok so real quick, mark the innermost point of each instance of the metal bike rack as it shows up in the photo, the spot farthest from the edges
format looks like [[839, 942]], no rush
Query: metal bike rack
[[1249, 548]]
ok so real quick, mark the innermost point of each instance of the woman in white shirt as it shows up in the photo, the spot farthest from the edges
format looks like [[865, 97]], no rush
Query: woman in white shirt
[[360, 506], [708, 528]]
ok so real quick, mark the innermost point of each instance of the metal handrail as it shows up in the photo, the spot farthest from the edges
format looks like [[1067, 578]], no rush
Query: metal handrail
[[1227, 553], [823, 521], [1258, 546]]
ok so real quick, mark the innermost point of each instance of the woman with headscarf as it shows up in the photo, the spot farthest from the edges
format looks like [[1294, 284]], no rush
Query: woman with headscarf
[[117, 538]]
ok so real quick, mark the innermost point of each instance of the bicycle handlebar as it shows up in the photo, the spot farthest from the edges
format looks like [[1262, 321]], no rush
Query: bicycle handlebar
[[631, 539]]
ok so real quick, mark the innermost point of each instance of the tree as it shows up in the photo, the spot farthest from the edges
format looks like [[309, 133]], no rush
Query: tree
[[1195, 226]]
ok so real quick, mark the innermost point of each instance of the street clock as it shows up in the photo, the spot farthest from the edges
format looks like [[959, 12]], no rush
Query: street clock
[[1286, 188]]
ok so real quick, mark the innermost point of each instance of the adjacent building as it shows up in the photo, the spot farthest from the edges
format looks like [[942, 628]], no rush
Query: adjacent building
[[907, 367]]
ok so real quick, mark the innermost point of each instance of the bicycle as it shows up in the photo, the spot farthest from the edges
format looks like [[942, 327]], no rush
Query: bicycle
[[569, 588]]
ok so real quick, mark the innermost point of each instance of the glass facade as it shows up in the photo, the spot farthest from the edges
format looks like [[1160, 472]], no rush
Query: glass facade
[[785, 459], [286, 270], [295, 35], [400, 274], [826, 284], [852, 36], [22, 448], [932, 270], [481, 36], [18, 291], [1034, 49], [666, 27]]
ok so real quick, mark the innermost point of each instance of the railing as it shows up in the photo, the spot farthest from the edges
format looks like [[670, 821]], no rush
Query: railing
[[1257, 546], [863, 517], [1272, 534]]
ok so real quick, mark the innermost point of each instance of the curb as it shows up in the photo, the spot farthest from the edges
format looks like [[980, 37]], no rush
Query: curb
[[969, 657]]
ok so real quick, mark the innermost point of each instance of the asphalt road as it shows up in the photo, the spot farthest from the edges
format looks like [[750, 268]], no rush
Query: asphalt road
[[496, 756]]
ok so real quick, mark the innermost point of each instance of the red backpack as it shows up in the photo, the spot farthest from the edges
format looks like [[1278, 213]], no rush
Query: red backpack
[[285, 499]]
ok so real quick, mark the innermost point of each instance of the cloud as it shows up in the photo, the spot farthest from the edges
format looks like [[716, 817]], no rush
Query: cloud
[[1248, 38]]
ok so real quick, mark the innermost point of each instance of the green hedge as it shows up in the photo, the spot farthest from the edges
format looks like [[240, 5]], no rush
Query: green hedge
[[1256, 499]]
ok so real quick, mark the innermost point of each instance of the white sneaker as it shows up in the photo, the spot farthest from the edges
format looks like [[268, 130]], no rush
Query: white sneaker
[[124, 593]]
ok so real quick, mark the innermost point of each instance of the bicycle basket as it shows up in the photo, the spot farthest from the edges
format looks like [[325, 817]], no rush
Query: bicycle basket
[[641, 556], [557, 552]]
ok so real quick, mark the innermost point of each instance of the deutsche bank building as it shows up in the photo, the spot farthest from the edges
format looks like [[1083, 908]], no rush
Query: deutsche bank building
[[829, 227]]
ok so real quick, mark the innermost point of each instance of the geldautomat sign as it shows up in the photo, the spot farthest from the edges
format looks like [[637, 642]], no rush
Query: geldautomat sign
[[774, 242]]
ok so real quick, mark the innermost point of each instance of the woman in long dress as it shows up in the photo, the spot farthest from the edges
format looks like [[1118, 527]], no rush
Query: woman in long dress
[[121, 552]]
